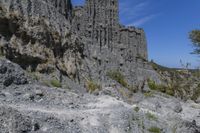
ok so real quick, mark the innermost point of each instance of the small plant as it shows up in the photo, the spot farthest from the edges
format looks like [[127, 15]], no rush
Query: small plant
[[196, 94], [137, 109], [118, 76], [170, 91], [148, 94], [92, 86], [34, 75], [139, 56], [174, 128], [123, 92], [133, 88], [56, 83], [152, 85], [151, 116], [154, 130], [1, 52], [159, 87]]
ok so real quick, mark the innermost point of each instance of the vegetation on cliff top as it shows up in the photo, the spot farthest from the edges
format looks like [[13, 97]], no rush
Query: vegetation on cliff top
[[183, 83]]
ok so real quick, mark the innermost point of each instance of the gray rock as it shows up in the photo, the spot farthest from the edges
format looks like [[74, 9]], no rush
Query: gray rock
[[13, 121], [198, 100], [146, 88], [11, 74], [178, 108], [188, 127], [39, 93]]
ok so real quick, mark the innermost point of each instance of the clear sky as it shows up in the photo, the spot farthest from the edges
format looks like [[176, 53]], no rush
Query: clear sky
[[166, 23]]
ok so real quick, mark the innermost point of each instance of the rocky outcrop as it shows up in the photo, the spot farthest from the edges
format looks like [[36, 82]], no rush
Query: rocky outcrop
[[37, 35], [11, 74]]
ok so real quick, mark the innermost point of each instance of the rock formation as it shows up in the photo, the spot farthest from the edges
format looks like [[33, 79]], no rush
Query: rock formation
[[37, 35], [110, 45], [79, 43]]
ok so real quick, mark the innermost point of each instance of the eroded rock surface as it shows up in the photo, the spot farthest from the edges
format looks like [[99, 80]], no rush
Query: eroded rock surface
[[80, 43]]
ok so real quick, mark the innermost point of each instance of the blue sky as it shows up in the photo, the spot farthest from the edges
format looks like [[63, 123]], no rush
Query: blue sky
[[166, 23]]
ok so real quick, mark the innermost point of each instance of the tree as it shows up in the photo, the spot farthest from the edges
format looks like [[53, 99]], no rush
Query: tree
[[195, 38]]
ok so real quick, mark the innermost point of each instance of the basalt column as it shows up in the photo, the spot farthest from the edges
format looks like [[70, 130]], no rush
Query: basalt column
[[102, 21]]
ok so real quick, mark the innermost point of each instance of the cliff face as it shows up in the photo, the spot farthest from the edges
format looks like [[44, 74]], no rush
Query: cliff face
[[110, 45], [37, 35], [80, 43]]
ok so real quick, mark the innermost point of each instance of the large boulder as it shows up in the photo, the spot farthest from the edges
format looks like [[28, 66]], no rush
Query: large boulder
[[13, 121], [11, 73]]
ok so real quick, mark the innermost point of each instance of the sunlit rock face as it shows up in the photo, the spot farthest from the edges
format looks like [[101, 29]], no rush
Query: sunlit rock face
[[84, 42], [110, 45], [37, 35]]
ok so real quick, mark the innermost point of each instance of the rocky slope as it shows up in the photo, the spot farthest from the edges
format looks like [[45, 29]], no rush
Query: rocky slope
[[26, 106]]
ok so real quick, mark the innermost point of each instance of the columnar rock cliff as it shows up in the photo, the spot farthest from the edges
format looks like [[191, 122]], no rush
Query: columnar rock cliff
[[79, 43], [108, 44]]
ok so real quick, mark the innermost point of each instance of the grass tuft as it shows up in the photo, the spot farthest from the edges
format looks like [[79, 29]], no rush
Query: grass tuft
[[162, 88], [196, 94], [92, 86], [56, 83], [119, 77], [151, 116], [154, 130]]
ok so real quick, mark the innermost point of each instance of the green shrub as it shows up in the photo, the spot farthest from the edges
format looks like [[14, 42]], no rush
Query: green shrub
[[152, 85], [196, 94], [151, 116], [56, 83], [154, 130], [170, 91], [118, 76], [159, 87], [92, 86]]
